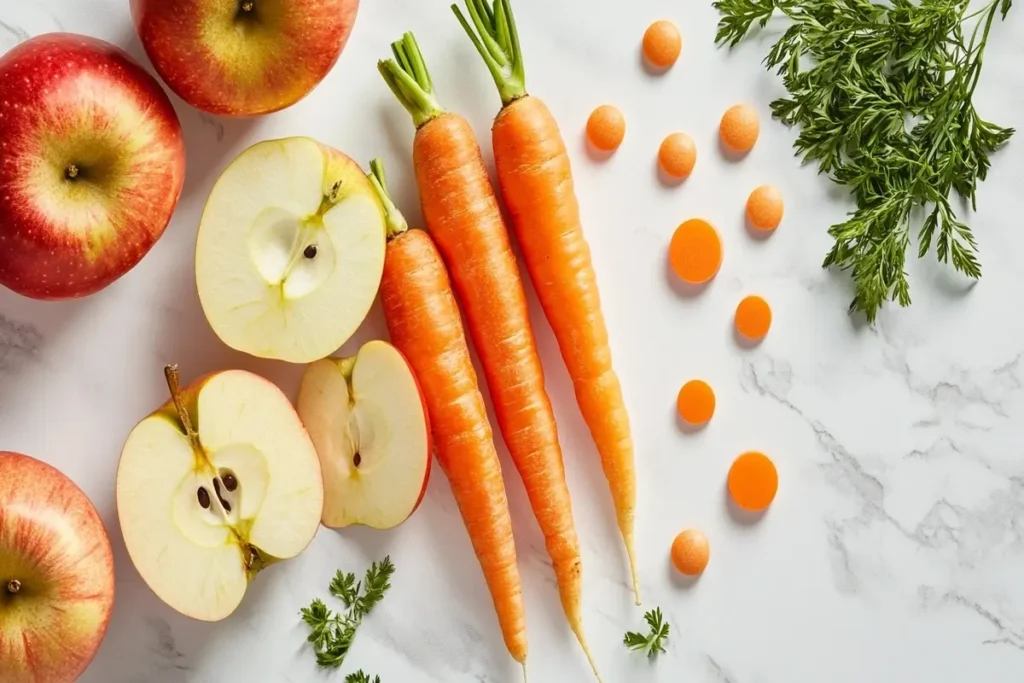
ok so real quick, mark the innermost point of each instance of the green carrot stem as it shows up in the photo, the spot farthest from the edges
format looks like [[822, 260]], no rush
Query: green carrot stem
[[408, 78], [496, 38]]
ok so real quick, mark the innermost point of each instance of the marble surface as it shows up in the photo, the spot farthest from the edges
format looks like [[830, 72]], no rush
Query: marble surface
[[894, 552]]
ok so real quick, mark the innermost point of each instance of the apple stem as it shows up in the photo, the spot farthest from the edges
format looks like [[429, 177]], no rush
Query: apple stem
[[174, 386], [13, 586], [396, 222]]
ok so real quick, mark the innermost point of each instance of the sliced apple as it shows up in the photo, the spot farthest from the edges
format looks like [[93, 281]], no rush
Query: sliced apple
[[368, 421], [290, 250], [204, 510]]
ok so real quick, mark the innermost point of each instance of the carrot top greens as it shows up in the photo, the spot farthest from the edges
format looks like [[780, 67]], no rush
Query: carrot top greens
[[409, 80], [856, 72], [497, 41]]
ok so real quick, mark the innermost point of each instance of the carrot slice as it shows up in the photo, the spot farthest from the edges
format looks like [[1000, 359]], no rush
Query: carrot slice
[[695, 251], [765, 208], [690, 552], [606, 128], [753, 317], [677, 155], [739, 128], [662, 44], [696, 402], [753, 481]]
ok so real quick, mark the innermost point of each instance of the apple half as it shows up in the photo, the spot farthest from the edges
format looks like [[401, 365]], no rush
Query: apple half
[[368, 421], [204, 509], [290, 251]]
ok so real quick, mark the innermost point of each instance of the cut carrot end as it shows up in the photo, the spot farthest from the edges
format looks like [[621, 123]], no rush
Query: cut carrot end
[[765, 208], [753, 481], [739, 128], [753, 317], [695, 251], [690, 552], [662, 43], [606, 128], [696, 402], [677, 155]]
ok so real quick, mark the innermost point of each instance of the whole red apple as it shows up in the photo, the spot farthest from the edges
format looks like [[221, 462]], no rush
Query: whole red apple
[[243, 57], [92, 164], [56, 574]]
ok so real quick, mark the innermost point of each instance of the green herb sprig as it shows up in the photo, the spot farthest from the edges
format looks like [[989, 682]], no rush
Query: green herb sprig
[[882, 94], [360, 677], [332, 633], [653, 641]]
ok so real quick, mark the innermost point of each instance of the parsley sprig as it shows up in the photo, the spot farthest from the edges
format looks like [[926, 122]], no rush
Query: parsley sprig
[[360, 677], [653, 641], [331, 633], [883, 97]]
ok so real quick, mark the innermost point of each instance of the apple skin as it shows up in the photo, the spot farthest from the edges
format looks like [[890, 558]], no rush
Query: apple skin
[[53, 542], [70, 100], [226, 61]]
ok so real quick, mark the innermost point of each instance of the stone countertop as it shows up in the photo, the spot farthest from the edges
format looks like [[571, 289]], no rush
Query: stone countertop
[[894, 552]]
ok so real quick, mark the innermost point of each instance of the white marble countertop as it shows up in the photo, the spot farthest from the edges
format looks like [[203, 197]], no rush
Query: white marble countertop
[[894, 552]]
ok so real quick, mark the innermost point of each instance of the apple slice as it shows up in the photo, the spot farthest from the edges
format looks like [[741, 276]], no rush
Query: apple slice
[[368, 420], [290, 250], [203, 511]]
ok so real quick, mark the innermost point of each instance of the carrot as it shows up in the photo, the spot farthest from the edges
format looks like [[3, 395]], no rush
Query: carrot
[[424, 323], [695, 251], [753, 481], [536, 183]]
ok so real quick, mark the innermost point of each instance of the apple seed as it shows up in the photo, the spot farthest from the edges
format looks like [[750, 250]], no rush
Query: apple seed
[[13, 586], [310, 251], [230, 482], [356, 459], [204, 497], [224, 504]]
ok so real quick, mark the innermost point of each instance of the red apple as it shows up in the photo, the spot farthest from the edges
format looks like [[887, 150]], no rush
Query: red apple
[[92, 164], [56, 574], [243, 57]]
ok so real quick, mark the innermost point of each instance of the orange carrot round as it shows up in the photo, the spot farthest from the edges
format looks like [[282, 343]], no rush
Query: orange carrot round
[[536, 182], [677, 155], [739, 128], [424, 323], [696, 402], [753, 317], [461, 211], [753, 481], [690, 552], [662, 44], [695, 251], [765, 208], [606, 128]]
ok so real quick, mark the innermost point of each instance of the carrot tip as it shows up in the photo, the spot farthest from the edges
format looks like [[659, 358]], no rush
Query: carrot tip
[[586, 650]]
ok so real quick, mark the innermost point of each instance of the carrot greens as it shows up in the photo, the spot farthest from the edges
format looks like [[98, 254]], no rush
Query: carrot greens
[[883, 97]]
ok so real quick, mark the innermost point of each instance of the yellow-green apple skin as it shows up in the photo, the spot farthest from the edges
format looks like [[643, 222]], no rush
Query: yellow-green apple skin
[[202, 515], [290, 250], [92, 164], [243, 57], [56, 574]]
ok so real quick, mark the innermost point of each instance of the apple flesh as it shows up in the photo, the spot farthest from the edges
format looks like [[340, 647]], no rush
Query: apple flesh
[[203, 510], [56, 574], [92, 164], [368, 420], [290, 251], [243, 57]]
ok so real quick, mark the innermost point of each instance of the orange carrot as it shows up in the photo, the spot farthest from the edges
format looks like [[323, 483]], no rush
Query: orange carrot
[[424, 324], [461, 213], [536, 183]]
